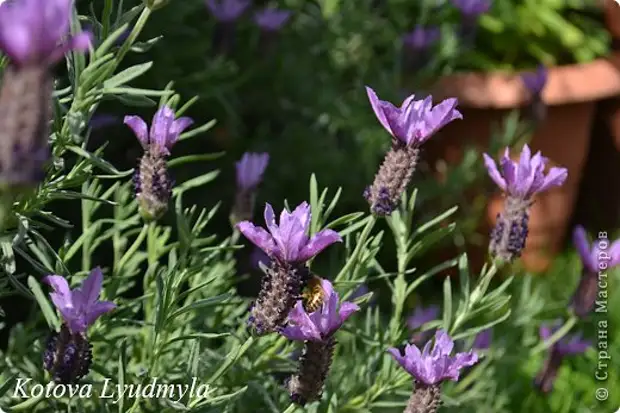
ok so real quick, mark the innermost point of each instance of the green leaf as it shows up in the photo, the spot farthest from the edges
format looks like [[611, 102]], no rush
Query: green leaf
[[196, 182], [231, 358], [194, 158], [122, 363], [197, 131], [204, 303], [127, 75], [195, 336], [99, 162], [447, 303], [46, 308], [314, 204]]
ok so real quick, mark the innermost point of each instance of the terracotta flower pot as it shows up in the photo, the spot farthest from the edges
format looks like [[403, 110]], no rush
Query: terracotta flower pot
[[570, 94]]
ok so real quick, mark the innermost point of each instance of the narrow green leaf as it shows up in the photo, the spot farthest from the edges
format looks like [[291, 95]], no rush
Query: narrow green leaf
[[122, 363], [447, 303], [197, 131], [127, 75], [46, 308], [204, 303], [182, 160], [196, 182], [99, 162], [314, 204]]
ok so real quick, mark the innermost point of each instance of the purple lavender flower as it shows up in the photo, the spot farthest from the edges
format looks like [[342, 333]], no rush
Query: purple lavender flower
[[250, 170], [535, 82], [410, 126], [227, 10], [36, 32], [472, 8], [31, 36], [519, 181], [152, 181], [422, 315], [430, 368], [568, 345], [421, 38], [597, 257], [271, 19], [68, 355], [289, 248], [483, 340], [316, 330]]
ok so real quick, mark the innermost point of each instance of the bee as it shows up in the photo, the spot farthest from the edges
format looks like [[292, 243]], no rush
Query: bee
[[313, 295]]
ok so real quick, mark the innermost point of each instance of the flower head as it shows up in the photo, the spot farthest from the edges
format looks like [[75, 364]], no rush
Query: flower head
[[421, 38], [422, 315], [568, 345], [271, 19], [36, 32], [524, 178], [321, 324], [483, 339], [288, 241], [434, 366], [598, 252], [79, 307], [416, 120], [227, 10], [165, 129], [250, 169], [535, 82], [472, 8]]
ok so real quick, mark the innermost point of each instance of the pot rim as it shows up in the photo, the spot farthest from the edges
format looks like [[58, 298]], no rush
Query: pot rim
[[575, 83]]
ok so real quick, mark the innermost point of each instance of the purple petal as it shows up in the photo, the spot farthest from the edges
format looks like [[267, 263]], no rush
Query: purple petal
[[81, 42], [318, 243], [545, 332], [377, 107], [258, 236], [443, 344], [61, 297], [403, 361], [346, 310], [614, 253], [139, 128], [97, 310], [459, 361], [555, 177], [523, 171], [177, 128], [509, 170], [88, 293], [303, 327], [489, 163], [160, 128], [440, 116], [581, 243]]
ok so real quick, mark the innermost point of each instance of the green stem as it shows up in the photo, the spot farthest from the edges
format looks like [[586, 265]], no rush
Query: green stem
[[372, 220], [555, 337], [291, 408], [86, 245], [132, 250]]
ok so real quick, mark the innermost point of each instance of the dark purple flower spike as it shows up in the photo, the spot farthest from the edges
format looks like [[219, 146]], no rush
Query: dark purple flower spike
[[68, 354], [568, 345], [535, 82], [316, 330], [152, 182], [250, 170], [34, 35], [431, 367], [410, 125], [289, 247], [226, 12], [421, 316], [520, 181], [598, 257]]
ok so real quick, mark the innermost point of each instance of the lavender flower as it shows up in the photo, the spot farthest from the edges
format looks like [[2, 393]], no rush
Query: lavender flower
[[422, 315], [271, 19], [568, 345], [535, 82], [410, 126], [483, 340], [421, 38], [227, 10], [152, 181], [289, 247], [68, 354], [316, 330], [472, 8], [597, 257], [250, 170], [34, 35], [430, 368], [519, 181]]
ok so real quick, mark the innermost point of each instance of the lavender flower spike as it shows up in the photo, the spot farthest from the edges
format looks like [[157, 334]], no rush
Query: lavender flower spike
[[152, 182], [34, 35], [421, 38], [316, 330], [421, 316], [227, 10], [596, 258], [289, 247], [250, 170], [519, 181], [410, 126], [429, 368], [36, 32], [271, 19], [568, 345], [68, 354], [472, 8], [535, 82]]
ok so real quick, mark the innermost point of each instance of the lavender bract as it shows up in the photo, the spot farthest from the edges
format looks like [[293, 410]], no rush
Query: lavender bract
[[271, 19], [520, 181], [68, 354], [316, 330], [429, 368], [250, 170], [31, 36], [410, 125], [152, 182], [596, 259], [568, 345], [289, 248]]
